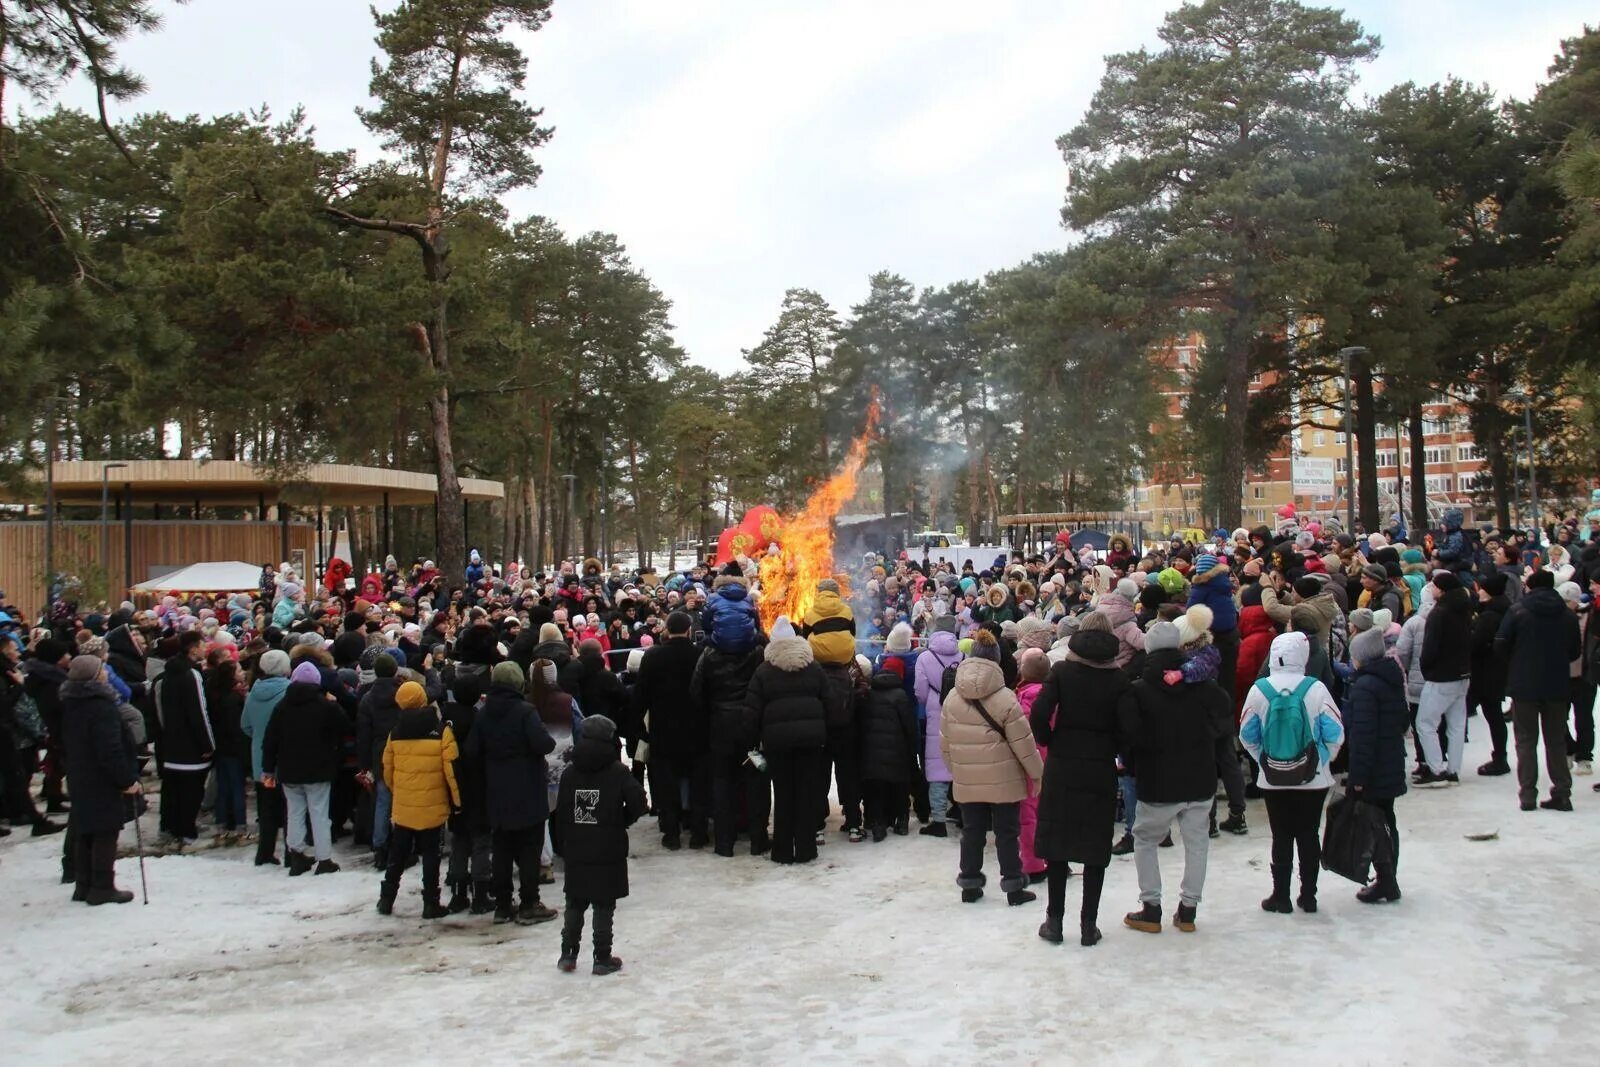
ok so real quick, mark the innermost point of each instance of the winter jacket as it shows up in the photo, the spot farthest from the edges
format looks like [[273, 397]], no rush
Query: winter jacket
[[1169, 732], [943, 652], [987, 767], [598, 800], [259, 705], [830, 626], [1119, 612], [100, 754], [1287, 669], [1488, 667], [599, 692], [303, 743], [42, 681], [678, 728], [846, 687], [1408, 650], [188, 742], [1447, 638], [729, 617], [510, 742], [997, 605], [888, 730], [419, 769], [718, 690], [1078, 798], [375, 718], [471, 815], [787, 698], [1539, 639], [1217, 594], [1256, 633], [1375, 722], [226, 710]]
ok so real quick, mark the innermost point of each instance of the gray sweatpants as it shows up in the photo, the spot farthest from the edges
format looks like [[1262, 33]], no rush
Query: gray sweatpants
[[1150, 825]]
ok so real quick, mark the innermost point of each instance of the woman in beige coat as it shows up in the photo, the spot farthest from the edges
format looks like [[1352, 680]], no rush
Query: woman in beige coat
[[988, 746]]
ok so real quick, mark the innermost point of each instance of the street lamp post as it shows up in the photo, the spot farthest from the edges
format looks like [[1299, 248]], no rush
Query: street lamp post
[[1533, 474], [1349, 442], [105, 531]]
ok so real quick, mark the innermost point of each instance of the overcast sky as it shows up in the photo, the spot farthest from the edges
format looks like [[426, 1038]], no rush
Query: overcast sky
[[739, 148]]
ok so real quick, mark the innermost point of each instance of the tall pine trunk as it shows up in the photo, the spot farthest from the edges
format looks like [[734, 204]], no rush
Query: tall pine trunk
[[1366, 424]]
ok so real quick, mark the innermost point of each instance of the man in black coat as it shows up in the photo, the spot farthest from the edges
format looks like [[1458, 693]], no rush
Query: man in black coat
[[188, 743], [1376, 717], [511, 742], [1446, 672], [471, 873], [375, 718], [678, 734], [787, 699], [717, 691], [103, 769], [597, 802], [1488, 689], [43, 672], [301, 752], [1539, 640]]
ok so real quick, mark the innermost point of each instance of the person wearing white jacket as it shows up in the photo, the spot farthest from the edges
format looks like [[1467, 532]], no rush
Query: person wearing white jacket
[[1408, 650], [1295, 790]]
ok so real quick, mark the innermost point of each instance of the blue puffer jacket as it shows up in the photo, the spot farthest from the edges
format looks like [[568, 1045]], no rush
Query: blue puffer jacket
[[1375, 721], [729, 617], [1217, 594]]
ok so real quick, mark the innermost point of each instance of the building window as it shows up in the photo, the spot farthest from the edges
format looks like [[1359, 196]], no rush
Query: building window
[[1338, 465], [1258, 492], [1184, 359], [1436, 454], [1466, 453], [1386, 458], [1319, 438], [1338, 438]]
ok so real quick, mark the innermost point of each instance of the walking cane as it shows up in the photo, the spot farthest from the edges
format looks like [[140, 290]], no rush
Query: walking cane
[[138, 844]]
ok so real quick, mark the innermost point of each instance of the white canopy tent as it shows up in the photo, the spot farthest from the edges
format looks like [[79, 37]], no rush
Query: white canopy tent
[[231, 577]]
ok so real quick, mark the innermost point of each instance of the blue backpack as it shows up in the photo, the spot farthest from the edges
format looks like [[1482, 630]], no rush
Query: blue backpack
[[1289, 755]]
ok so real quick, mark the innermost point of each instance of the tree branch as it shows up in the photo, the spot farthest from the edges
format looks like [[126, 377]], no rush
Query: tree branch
[[99, 88]]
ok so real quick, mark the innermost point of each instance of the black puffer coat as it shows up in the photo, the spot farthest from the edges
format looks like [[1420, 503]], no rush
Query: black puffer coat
[[305, 737], [597, 802], [788, 698], [1078, 800], [473, 816], [720, 688], [1170, 732], [1376, 718], [599, 692], [678, 725], [1447, 638], [101, 757], [888, 730], [512, 743]]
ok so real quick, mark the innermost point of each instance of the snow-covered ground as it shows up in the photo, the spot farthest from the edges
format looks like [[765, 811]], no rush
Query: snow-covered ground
[[867, 955]]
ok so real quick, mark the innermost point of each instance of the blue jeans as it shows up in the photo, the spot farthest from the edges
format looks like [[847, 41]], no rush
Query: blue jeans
[[229, 812], [1130, 801], [938, 800], [382, 813], [309, 799]]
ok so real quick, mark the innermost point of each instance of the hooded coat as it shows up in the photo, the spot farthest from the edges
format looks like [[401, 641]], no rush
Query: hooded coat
[[262, 701], [729, 616], [830, 626], [510, 743], [1447, 638], [304, 739], [788, 697], [1376, 719], [943, 652], [719, 691], [1078, 798], [187, 740], [987, 767], [888, 730], [419, 769], [1170, 732], [375, 718], [1286, 670], [997, 605], [1256, 634], [100, 754], [597, 802], [1118, 610], [678, 728], [1539, 639]]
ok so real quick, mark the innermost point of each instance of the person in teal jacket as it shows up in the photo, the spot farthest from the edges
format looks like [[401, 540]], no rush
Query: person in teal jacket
[[271, 683]]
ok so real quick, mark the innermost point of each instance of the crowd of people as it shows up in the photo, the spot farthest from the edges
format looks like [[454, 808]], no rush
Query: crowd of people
[[1072, 706]]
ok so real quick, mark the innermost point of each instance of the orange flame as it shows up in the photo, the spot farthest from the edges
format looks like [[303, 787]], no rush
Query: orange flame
[[789, 576]]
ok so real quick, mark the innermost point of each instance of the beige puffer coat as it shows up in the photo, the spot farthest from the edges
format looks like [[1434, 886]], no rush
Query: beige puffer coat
[[987, 768]]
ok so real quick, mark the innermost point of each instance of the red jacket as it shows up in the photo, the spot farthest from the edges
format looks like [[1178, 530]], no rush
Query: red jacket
[[1256, 632]]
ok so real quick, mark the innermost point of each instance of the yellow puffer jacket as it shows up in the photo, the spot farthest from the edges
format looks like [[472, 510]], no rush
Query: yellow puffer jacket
[[830, 626], [419, 769]]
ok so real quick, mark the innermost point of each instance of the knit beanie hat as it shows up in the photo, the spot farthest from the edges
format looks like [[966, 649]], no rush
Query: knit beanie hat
[[1193, 625], [306, 673], [863, 664], [507, 672], [1367, 647], [984, 646], [1382, 619], [274, 664], [894, 665], [1412, 555], [411, 696], [1375, 572], [945, 624], [1171, 581], [550, 633], [899, 638], [1360, 620], [1161, 636], [1128, 589], [598, 727], [1204, 562], [84, 668], [385, 665], [782, 629], [1067, 626]]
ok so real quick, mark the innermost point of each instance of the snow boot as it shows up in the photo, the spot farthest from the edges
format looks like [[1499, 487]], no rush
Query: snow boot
[[299, 863], [1147, 919], [326, 867], [431, 908], [1124, 847], [671, 843], [1234, 824], [380, 857], [879, 832], [1018, 897], [760, 845], [1279, 900], [1308, 891], [111, 895], [1183, 918], [386, 897], [856, 836], [971, 896], [460, 897], [1089, 935], [532, 911], [902, 826], [568, 961], [44, 828], [1556, 804], [482, 898], [1495, 767], [1378, 892], [935, 829], [1050, 929], [607, 964], [504, 913]]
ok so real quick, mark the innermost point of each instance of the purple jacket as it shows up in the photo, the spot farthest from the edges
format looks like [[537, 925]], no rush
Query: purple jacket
[[942, 652]]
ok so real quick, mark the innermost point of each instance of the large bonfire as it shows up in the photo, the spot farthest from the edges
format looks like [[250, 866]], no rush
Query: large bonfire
[[790, 575]]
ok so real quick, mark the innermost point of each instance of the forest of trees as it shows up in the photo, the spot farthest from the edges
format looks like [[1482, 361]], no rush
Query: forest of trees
[[227, 287]]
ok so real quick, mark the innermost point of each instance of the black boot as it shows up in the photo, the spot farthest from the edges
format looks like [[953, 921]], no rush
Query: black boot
[[606, 964], [902, 826], [483, 898], [1183, 918], [386, 897], [299, 863], [1279, 900], [935, 829], [1018, 897], [1089, 935], [879, 831], [1050, 929], [1124, 847], [971, 896], [1308, 890], [1234, 824], [1147, 919], [431, 908], [460, 897]]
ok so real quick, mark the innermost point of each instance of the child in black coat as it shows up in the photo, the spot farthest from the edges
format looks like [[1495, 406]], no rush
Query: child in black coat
[[598, 801]]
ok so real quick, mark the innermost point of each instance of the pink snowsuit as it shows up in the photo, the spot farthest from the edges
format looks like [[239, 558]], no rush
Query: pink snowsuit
[[1031, 864]]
